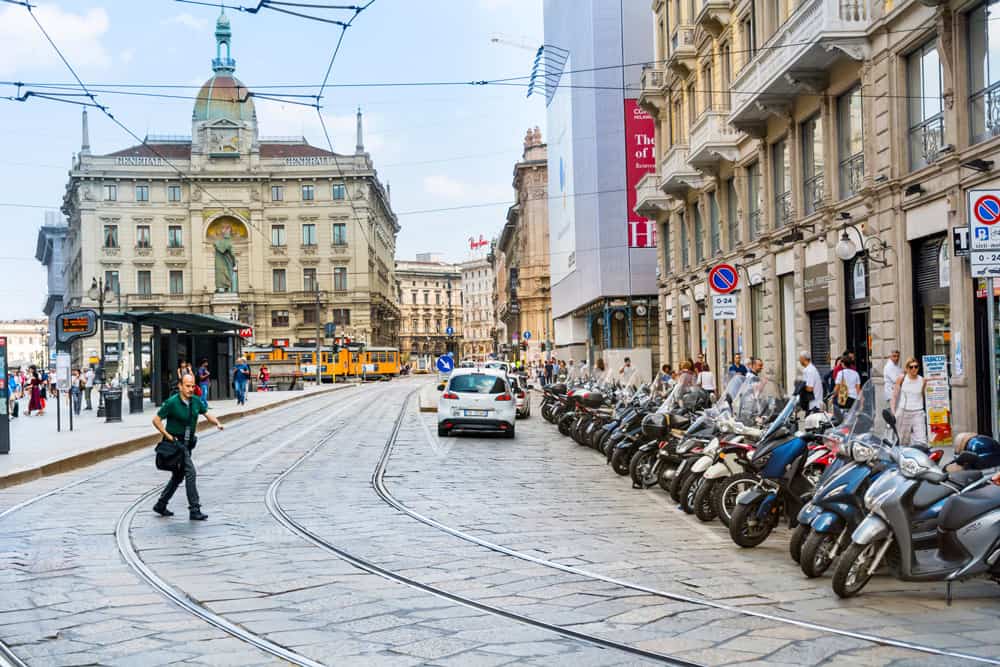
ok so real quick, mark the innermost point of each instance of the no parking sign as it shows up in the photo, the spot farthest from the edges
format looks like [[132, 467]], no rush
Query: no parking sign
[[984, 232]]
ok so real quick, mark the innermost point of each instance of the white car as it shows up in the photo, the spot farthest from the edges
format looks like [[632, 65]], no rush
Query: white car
[[522, 400], [498, 366], [477, 400]]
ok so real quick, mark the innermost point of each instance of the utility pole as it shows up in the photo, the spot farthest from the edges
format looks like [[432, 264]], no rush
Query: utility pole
[[319, 341]]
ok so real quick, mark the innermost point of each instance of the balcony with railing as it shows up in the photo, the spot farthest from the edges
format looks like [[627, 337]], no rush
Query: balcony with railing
[[792, 61], [852, 175], [984, 113], [676, 175], [713, 17], [652, 94], [649, 199], [812, 195], [782, 209], [713, 139], [683, 52], [926, 140]]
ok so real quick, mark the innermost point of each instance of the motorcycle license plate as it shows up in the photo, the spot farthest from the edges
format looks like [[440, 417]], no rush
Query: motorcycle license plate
[[476, 413]]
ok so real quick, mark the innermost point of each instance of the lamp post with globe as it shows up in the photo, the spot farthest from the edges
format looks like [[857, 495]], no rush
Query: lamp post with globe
[[100, 293]]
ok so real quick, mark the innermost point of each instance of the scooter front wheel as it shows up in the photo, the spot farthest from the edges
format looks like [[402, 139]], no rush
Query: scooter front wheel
[[852, 572], [642, 469], [747, 529], [620, 461], [688, 491], [726, 493], [704, 509], [816, 551], [799, 536]]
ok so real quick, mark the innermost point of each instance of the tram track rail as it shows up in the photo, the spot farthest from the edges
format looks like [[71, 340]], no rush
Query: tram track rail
[[282, 515], [381, 489], [131, 558]]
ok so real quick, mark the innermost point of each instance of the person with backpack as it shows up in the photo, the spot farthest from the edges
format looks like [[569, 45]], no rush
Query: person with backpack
[[847, 386], [177, 422]]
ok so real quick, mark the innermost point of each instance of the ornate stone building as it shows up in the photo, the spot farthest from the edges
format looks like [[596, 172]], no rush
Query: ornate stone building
[[273, 232], [477, 308], [27, 342], [828, 149], [430, 298], [520, 258]]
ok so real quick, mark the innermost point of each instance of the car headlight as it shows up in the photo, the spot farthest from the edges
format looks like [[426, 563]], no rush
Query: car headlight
[[910, 466]]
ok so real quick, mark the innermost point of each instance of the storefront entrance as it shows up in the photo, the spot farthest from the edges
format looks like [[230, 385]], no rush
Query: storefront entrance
[[986, 344], [858, 317]]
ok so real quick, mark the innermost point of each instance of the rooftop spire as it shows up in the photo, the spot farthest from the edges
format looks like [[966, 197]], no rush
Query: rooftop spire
[[223, 35], [360, 147], [85, 142]]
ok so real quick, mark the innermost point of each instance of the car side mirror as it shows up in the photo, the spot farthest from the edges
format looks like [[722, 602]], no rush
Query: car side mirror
[[441, 387]]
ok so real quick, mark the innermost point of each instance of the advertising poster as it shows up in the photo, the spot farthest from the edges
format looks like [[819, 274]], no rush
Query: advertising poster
[[640, 159], [562, 216], [938, 399]]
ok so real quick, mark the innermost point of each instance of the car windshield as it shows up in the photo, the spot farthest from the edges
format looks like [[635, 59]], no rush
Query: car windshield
[[478, 383]]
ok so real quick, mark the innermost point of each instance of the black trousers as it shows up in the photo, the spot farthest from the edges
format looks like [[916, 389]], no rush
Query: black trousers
[[189, 475]]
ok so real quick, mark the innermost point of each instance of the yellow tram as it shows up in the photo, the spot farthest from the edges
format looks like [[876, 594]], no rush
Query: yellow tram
[[352, 360]]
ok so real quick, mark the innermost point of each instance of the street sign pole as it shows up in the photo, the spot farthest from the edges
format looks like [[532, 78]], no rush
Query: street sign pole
[[4, 396], [991, 337]]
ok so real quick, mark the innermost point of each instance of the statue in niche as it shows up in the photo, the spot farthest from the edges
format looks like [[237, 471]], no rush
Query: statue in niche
[[225, 260]]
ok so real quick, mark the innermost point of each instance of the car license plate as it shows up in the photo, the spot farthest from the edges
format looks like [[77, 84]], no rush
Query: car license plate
[[476, 413]]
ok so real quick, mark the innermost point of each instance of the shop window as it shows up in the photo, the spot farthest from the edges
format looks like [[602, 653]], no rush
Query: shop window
[[932, 303]]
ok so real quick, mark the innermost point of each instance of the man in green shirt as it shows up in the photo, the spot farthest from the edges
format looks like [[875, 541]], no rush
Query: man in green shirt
[[181, 412]]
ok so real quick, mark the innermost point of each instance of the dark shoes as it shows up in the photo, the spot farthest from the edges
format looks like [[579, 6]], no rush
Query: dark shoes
[[162, 510], [196, 515]]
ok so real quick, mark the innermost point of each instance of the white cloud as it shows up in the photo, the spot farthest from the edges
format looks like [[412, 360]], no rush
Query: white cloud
[[78, 36], [188, 21]]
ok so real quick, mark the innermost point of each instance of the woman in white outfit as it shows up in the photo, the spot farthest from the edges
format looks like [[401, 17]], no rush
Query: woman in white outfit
[[908, 406]]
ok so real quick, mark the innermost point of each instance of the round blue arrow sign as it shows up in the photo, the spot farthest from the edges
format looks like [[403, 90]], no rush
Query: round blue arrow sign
[[445, 364]]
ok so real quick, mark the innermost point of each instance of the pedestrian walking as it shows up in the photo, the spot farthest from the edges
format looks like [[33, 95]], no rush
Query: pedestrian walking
[[700, 365], [626, 372], [263, 379], [706, 378], [847, 386], [88, 385], [908, 406], [204, 377], [36, 403], [737, 367], [241, 376], [13, 395], [811, 398], [891, 372], [177, 422], [76, 388], [548, 372]]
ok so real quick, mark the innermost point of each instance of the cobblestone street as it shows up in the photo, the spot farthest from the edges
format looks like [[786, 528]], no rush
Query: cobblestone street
[[343, 531]]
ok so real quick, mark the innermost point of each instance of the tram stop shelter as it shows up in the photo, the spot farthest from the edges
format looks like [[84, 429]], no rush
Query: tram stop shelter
[[176, 337]]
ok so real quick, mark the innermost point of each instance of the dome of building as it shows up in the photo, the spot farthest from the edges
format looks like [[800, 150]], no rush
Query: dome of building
[[224, 96]]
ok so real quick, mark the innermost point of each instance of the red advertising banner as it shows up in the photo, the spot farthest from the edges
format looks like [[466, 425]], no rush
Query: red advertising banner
[[640, 159]]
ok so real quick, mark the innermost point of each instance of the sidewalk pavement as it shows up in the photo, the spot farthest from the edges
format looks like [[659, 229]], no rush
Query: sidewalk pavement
[[37, 449]]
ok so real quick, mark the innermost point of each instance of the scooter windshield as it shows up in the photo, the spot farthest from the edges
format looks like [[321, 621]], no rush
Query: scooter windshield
[[758, 399], [865, 416], [723, 407], [673, 399]]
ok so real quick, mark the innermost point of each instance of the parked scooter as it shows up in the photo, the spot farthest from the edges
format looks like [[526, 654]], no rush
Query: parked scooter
[[782, 488], [909, 500]]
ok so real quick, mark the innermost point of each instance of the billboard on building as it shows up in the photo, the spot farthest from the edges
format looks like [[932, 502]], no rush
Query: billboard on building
[[640, 159], [562, 217]]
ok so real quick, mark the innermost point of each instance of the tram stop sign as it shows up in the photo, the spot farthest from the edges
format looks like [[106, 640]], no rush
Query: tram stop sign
[[723, 278]]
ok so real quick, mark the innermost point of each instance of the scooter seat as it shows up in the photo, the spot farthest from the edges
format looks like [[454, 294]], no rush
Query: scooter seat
[[929, 493], [964, 477], [964, 507]]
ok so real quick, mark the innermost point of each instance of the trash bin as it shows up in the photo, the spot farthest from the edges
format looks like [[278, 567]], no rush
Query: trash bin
[[135, 398], [112, 405]]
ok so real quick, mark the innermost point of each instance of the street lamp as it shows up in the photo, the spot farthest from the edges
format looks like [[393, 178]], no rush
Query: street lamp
[[847, 250], [100, 293]]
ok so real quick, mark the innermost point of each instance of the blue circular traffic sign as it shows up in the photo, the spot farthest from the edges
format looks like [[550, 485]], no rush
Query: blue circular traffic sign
[[445, 364], [527, 335], [723, 278], [987, 209], [449, 330]]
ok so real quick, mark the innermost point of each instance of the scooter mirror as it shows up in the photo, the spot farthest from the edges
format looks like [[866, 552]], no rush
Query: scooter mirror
[[889, 418]]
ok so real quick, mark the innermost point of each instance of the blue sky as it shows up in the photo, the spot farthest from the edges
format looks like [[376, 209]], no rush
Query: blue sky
[[438, 146]]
